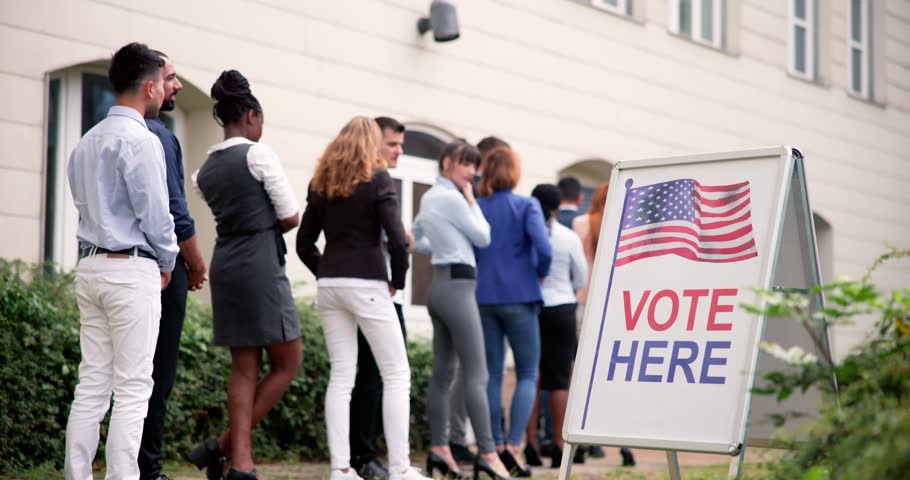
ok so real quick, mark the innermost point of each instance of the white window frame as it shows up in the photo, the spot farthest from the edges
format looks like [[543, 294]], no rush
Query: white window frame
[[864, 45], [809, 24], [621, 7], [412, 170], [66, 221], [719, 14]]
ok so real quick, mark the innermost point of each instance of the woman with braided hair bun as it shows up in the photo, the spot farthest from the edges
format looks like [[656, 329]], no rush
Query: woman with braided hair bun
[[244, 184]]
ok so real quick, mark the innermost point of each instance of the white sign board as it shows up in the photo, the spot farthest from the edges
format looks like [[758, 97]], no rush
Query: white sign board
[[666, 355]]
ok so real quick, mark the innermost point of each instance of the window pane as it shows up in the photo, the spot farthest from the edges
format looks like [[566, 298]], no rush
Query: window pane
[[423, 145], [799, 43], [685, 17], [707, 20], [421, 269], [856, 19], [856, 69], [97, 99], [614, 3], [799, 9], [50, 186]]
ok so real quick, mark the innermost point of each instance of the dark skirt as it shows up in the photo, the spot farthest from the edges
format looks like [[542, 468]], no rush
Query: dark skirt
[[252, 303], [558, 343]]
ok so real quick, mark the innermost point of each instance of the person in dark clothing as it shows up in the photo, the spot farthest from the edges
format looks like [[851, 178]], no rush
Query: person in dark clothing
[[189, 274], [572, 198]]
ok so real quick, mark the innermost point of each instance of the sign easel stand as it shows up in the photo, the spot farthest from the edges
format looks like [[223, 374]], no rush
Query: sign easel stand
[[568, 453]]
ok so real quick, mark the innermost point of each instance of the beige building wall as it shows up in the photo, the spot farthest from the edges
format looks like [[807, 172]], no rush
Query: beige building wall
[[562, 81]]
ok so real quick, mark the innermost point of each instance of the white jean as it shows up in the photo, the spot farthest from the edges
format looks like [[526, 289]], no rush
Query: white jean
[[342, 310], [119, 312]]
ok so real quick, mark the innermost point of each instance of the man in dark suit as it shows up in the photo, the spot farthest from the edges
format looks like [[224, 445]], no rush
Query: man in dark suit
[[189, 274], [572, 197]]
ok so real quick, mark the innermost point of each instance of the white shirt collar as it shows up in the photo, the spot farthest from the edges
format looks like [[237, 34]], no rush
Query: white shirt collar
[[128, 112], [228, 144]]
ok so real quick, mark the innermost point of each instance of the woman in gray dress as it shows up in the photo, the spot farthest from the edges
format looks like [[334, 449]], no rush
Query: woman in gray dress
[[244, 185]]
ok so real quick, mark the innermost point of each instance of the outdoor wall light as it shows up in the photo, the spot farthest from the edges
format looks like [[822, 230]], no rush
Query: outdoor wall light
[[443, 21]]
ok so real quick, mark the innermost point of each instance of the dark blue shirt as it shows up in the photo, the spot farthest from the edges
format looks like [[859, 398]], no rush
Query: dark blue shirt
[[566, 216], [184, 225], [519, 255]]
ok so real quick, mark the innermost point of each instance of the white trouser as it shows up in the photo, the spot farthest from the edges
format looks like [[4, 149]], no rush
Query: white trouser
[[342, 310], [120, 311]]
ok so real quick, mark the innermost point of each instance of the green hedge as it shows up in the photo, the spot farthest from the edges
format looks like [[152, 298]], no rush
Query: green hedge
[[863, 431], [39, 357]]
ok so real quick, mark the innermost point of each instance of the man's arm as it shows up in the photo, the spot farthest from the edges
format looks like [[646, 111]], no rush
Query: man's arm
[[195, 264], [146, 186], [184, 225]]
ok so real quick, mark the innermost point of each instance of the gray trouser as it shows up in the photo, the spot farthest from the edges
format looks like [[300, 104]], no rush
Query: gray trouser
[[458, 421], [457, 336]]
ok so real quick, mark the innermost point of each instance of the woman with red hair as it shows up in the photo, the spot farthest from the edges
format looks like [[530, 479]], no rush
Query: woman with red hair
[[509, 294]]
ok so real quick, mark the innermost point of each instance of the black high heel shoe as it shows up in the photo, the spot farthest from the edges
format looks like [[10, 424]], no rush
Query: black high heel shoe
[[628, 460], [436, 462], [208, 456], [513, 466], [238, 475], [532, 456], [555, 456], [480, 465]]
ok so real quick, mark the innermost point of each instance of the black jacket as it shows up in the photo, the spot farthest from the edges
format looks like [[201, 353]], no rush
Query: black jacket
[[353, 225]]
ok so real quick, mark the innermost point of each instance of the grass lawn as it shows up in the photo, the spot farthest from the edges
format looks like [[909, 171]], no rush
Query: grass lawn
[[318, 471]]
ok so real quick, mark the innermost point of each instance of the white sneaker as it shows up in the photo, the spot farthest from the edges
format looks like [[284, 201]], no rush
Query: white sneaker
[[410, 473], [340, 475]]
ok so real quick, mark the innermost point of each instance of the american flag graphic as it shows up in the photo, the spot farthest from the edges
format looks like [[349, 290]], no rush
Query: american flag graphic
[[704, 223]]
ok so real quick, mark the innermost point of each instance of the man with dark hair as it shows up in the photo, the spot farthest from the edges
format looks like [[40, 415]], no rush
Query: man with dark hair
[[488, 143], [572, 197], [366, 398], [189, 274], [127, 250]]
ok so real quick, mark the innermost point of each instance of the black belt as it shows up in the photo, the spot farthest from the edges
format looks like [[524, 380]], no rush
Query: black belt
[[93, 250], [462, 271]]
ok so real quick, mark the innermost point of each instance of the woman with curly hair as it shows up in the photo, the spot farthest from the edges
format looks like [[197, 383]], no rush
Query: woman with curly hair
[[252, 308], [353, 200]]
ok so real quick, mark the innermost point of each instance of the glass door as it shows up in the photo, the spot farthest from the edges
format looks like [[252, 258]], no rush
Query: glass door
[[414, 176]]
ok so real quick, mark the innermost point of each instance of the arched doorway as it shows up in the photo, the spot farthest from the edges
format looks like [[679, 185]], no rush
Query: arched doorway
[[78, 97], [590, 173]]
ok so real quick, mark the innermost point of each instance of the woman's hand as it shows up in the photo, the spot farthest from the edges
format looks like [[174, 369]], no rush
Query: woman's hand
[[468, 191]]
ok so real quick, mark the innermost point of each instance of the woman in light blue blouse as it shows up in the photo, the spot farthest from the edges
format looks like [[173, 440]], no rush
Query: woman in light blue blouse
[[448, 227], [509, 294]]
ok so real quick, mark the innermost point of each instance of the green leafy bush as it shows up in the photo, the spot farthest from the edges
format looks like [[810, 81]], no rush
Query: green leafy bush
[[39, 357], [864, 429]]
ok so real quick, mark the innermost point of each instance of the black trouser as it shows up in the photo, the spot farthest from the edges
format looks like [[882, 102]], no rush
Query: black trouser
[[173, 311], [366, 401]]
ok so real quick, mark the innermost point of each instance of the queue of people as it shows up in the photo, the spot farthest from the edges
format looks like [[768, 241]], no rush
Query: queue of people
[[504, 268]]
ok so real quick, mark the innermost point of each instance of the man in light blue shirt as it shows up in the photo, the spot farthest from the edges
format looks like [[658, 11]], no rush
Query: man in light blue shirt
[[127, 252]]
